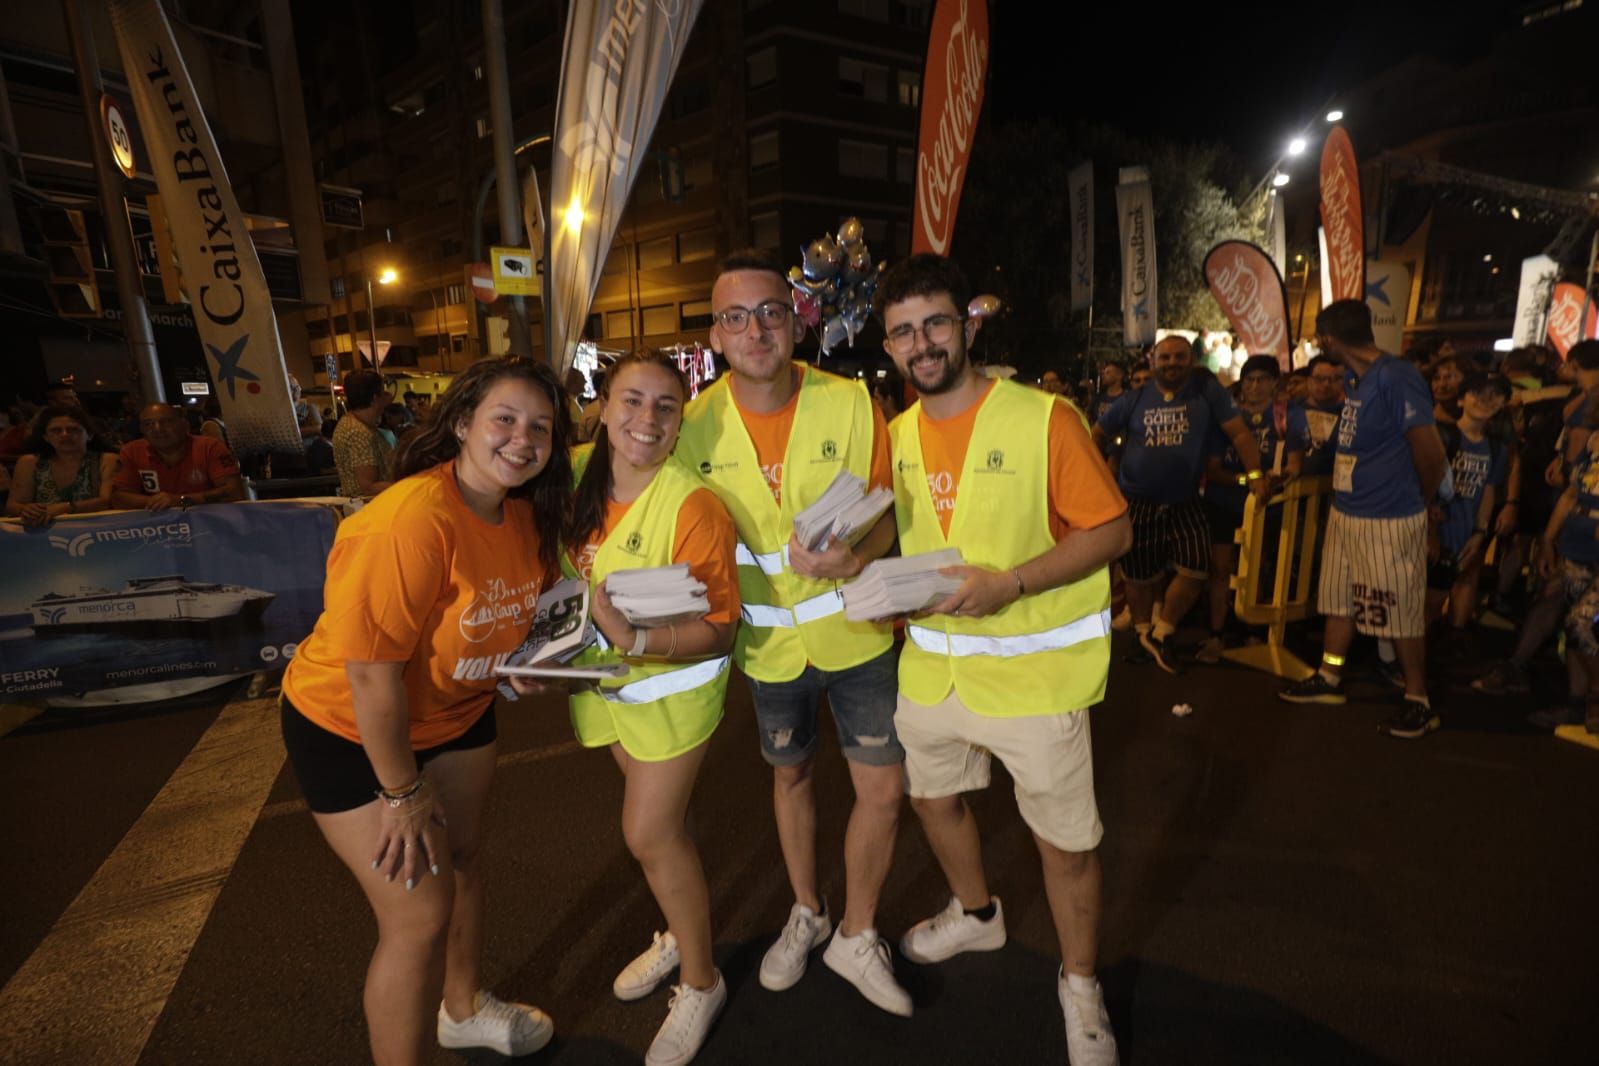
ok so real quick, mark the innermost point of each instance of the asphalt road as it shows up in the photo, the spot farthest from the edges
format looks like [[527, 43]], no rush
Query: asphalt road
[[1282, 885]]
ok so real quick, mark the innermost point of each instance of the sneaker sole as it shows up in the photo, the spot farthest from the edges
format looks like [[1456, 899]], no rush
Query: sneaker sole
[[539, 1043], [988, 944], [1411, 734], [638, 992], [1330, 700], [871, 995], [778, 983]]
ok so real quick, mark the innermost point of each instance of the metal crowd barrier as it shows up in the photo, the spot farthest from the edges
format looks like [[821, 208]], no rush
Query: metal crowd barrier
[[1279, 548]]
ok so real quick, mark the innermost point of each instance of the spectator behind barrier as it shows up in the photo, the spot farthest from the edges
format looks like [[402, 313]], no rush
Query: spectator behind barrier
[[171, 467], [69, 469], [362, 454]]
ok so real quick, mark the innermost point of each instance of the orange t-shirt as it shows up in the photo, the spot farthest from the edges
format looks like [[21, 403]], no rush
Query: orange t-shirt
[[416, 577], [769, 433], [1082, 490], [705, 540]]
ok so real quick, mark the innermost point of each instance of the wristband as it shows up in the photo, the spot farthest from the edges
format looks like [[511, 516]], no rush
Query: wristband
[[397, 797], [641, 637], [1255, 475], [1021, 589]]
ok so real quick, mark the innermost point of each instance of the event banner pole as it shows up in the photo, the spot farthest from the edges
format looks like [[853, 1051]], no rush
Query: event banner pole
[[1135, 207], [1344, 260], [1245, 282]]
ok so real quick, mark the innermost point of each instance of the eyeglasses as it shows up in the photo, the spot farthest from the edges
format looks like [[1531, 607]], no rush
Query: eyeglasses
[[773, 314], [938, 329]]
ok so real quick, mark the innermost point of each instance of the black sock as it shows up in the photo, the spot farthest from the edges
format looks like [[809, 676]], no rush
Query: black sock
[[983, 914]]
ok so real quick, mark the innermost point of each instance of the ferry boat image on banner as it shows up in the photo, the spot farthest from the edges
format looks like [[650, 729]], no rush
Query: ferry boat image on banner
[[150, 600]]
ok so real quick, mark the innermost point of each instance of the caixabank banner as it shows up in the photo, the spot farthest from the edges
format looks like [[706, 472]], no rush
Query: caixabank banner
[[149, 599]]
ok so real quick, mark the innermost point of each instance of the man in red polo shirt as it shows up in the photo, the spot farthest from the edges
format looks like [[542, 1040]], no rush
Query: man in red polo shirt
[[171, 467]]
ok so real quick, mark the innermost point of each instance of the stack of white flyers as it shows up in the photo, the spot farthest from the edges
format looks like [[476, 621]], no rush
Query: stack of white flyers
[[559, 631], [901, 585], [846, 511], [658, 596]]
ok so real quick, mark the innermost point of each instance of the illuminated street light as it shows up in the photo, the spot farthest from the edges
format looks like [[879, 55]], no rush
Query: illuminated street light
[[1280, 179], [1297, 146], [1488, 258], [388, 276], [1334, 116]]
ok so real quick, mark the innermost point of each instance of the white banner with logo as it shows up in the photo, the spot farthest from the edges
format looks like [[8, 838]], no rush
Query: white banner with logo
[[227, 291], [1081, 182], [1388, 297], [1538, 276], [1135, 210], [619, 61]]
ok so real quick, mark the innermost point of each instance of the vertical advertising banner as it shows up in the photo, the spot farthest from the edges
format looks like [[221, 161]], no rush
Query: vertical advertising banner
[[1135, 212], [228, 292], [1345, 257], [618, 61], [952, 98], [1388, 297], [1567, 323], [1081, 181], [1538, 274], [1249, 290]]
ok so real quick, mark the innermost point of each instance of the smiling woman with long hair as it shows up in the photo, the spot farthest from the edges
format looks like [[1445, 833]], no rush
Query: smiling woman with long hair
[[67, 470], [637, 507], [388, 707]]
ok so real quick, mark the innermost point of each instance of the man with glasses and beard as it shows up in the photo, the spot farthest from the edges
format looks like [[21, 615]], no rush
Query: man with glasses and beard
[[769, 438]]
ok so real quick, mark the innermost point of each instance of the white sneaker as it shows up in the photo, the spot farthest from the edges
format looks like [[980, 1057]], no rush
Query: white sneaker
[[688, 1020], [644, 974], [863, 960], [1089, 1039], [952, 931], [785, 960], [510, 1028]]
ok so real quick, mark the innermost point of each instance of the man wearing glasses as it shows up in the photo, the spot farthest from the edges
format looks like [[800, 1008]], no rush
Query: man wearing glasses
[[769, 438], [1009, 663], [1310, 444]]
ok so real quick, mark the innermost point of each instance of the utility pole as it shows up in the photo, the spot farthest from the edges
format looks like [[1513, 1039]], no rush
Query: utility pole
[[521, 339]]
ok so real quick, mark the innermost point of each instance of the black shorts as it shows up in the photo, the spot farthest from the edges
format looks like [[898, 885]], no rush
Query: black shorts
[[1223, 522], [1441, 574], [334, 773], [1167, 536]]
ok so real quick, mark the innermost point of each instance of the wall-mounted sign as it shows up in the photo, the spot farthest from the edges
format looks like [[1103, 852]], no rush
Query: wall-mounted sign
[[341, 207], [196, 388], [116, 132]]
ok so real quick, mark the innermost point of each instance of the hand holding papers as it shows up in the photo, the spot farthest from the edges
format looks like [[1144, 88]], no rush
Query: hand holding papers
[[559, 631], [902, 585], [658, 596], [845, 511]]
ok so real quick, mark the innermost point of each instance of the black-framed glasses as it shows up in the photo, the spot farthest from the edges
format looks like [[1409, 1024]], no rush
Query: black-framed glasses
[[772, 314], [938, 329]]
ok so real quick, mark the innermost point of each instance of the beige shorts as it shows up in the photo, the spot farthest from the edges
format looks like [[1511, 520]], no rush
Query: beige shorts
[[1374, 570], [948, 750]]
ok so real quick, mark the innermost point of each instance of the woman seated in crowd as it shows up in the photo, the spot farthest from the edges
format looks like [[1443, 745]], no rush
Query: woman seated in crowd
[[66, 470]]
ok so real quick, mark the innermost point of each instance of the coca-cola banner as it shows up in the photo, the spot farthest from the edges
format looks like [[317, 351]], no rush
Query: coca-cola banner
[[1135, 212], [952, 98], [1081, 183], [1245, 282], [1567, 323], [1345, 260]]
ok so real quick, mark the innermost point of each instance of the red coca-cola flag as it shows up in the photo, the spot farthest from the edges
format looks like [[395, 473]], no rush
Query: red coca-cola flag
[[952, 98], [1566, 323], [1341, 218], [1245, 282]]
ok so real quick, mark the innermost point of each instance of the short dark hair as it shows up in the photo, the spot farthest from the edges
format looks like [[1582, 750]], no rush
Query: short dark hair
[[1585, 354], [361, 387], [923, 274], [409, 396], [1257, 363], [1319, 360], [1520, 362], [1483, 380], [763, 260], [1346, 321]]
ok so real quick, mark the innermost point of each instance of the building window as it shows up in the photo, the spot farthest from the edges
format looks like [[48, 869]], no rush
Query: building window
[[618, 262], [696, 314], [697, 173], [660, 319], [763, 150], [909, 84], [761, 67], [591, 328], [483, 127], [876, 10], [652, 255], [910, 14], [868, 81], [618, 324], [336, 288], [905, 165], [857, 159], [695, 245], [766, 230], [455, 294]]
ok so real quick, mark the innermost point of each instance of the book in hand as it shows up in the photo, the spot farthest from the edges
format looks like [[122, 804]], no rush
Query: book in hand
[[657, 596], [845, 510], [559, 631], [902, 585]]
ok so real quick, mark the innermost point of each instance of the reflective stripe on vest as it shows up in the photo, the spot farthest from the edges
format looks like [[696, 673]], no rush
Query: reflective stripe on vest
[[771, 564], [659, 686], [828, 603], [1088, 627]]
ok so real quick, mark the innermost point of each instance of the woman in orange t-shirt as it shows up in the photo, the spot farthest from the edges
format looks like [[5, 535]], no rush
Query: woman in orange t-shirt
[[637, 508], [387, 708]]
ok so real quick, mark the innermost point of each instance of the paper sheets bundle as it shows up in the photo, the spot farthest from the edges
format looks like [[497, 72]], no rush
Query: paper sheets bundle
[[846, 511], [658, 596], [900, 585]]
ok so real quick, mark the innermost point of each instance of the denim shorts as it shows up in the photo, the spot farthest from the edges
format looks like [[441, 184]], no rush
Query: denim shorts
[[862, 699]]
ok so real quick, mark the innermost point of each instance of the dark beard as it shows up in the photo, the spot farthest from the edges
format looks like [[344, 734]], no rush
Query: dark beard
[[945, 381]]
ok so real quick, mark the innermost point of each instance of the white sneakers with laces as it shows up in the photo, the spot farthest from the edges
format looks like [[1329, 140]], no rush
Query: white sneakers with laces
[[1089, 1039], [512, 1029], [688, 1021], [864, 961], [644, 974], [952, 931], [785, 960]]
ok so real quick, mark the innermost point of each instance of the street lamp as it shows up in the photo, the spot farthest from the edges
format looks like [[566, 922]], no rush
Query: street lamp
[[1297, 146], [387, 276], [1279, 179], [1334, 115]]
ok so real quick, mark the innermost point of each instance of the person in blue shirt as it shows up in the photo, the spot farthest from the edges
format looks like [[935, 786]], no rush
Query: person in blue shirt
[[1310, 444], [1570, 550], [1164, 427], [1388, 466], [1480, 466]]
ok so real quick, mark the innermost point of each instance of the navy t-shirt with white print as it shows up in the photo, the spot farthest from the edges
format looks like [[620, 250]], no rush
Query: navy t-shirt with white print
[[1163, 440], [1374, 475]]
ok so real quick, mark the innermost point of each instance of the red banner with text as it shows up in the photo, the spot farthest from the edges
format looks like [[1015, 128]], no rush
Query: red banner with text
[[1245, 282], [952, 98], [1341, 218], [1567, 324]]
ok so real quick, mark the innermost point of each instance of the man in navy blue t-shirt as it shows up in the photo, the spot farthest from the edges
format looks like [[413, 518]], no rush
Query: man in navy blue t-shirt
[[1163, 427], [1387, 469]]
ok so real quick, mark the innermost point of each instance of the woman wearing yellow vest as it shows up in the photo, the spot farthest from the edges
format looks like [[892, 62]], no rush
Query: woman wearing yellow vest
[[638, 508]]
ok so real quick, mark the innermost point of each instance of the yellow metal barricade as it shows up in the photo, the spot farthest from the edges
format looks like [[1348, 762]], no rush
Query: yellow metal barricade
[[1295, 541]]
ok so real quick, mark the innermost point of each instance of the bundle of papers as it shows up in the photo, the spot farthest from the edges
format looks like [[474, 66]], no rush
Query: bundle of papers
[[846, 511], [658, 596], [900, 585], [559, 631]]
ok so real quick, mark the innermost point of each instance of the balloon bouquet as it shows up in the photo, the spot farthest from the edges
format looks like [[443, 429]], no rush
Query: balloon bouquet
[[833, 287]]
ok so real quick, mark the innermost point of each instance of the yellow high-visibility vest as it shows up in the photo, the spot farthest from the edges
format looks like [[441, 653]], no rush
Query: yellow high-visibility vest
[[1047, 652], [788, 620]]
